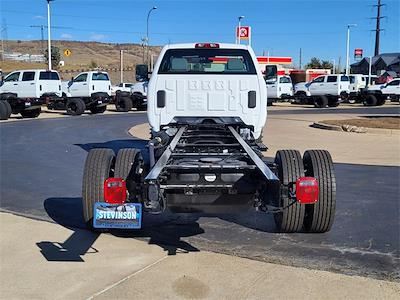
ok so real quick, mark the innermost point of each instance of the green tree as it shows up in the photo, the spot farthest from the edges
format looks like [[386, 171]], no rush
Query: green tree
[[93, 65], [314, 63], [326, 65], [55, 56]]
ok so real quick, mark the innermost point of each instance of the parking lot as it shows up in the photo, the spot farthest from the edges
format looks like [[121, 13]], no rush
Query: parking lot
[[44, 233]]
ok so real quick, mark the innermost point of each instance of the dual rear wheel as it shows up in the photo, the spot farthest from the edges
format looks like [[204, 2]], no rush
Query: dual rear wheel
[[102, 164], [316, 217]]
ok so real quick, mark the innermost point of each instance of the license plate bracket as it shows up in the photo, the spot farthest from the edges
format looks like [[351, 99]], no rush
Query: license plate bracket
[[117, 216]]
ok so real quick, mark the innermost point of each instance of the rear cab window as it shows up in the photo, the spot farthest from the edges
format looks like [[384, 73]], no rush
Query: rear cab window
[[331, 79], [285, 80], [100, 76], [207, 61], [48, 75], [28, 76], [344, 78]]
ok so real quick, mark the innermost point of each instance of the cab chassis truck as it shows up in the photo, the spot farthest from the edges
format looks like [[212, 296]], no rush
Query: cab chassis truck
[[202, 161]]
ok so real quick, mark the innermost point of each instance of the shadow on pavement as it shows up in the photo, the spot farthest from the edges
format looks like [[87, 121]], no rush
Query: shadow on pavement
[[165, 230]]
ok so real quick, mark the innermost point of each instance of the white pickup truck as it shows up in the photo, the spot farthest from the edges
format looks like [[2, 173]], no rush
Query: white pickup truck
[[88, 90], [122, 87], [322, 91], [376, 95], [207, 109], [24, 91], [279, 89]]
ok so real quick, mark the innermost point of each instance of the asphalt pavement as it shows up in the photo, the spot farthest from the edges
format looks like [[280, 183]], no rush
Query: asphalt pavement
[[41, 172]]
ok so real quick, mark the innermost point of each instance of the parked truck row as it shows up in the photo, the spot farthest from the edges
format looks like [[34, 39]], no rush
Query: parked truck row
[[26, 91]]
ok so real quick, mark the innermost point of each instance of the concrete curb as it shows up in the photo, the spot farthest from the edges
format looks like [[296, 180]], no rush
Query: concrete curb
[[355, 129]]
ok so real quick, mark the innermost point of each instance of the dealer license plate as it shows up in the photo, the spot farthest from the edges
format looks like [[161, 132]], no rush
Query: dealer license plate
[[121, 216]]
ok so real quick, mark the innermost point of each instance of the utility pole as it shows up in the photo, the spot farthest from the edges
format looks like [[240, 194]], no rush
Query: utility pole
[[300, 60], [42, 36], [48, 34], [121, 57], [378, 26], [42, 27]]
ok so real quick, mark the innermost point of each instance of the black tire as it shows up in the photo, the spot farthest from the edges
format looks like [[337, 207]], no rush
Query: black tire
[[290, 168], [3, 110], [9, 109], [98, 110], [129, 166], [344, 96], [370, 100], [381, 100], [321, 101], [333, 103], [32, 113], [123, 104], [98, 167], [319, 217], [75, 107]]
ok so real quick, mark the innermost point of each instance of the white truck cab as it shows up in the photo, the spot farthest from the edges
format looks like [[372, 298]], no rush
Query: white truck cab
[[26, 90], [31, 83], [122, 87], [88, 83], [322, 91], [332, 85], [88, 90], [279, 88], [207, 80]]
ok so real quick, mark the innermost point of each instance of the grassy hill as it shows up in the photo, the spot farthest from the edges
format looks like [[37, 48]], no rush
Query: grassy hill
[[84, 56]]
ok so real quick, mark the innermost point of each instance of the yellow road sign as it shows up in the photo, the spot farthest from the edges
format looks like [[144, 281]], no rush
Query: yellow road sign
[[67, 52]]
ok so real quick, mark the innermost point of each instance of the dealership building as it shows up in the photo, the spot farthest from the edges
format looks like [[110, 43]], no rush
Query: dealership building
[[385, 62]]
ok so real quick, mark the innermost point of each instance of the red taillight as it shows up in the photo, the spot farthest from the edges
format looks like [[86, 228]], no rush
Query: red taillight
[[115, 190], [207, 45], [307, 190]]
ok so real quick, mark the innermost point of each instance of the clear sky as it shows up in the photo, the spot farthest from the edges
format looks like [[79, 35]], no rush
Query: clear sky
[[281, 27]]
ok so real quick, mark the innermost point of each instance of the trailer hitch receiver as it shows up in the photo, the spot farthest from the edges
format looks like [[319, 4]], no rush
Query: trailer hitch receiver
[[307, 190]]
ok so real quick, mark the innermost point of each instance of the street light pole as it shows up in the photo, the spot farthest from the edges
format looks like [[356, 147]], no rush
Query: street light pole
[[348, 48], [147, 33], [238, 33], [334, 66], [48, 34]]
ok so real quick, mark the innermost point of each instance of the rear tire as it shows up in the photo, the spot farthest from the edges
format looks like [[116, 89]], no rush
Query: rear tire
[[75, 107], [99, 166], [370, 100], [319, 216], [381, 100], [33, 113], [321, 101], [98, 110], [290, 168], [124, 104], [129, 166], [3, 110], [334, 104]]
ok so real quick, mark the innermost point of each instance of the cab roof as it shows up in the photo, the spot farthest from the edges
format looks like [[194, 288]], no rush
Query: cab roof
[[193, 46]]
